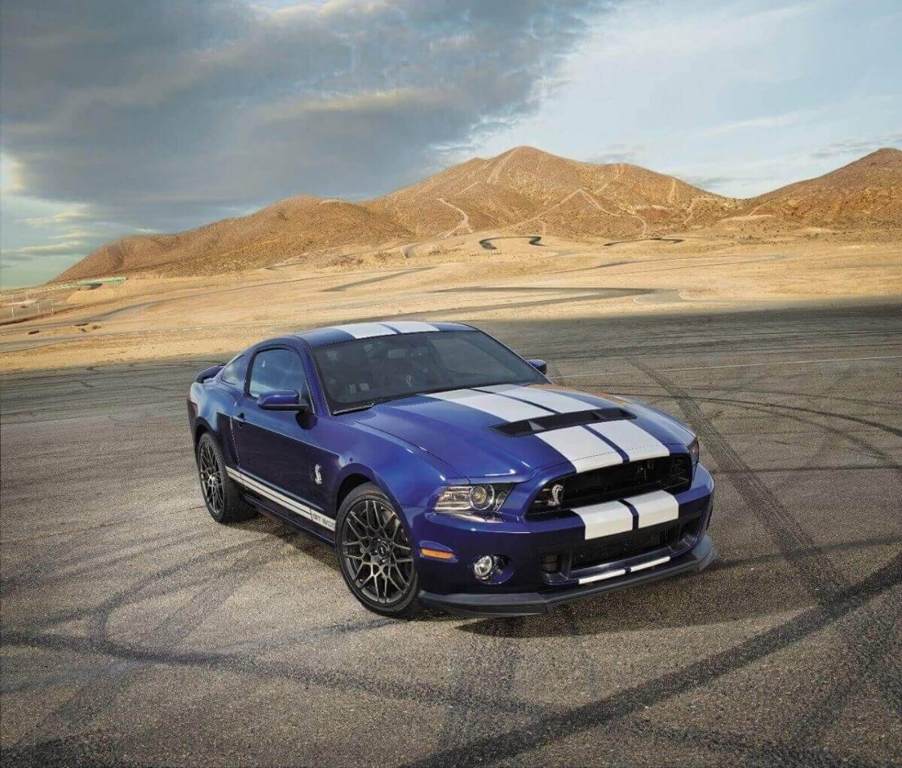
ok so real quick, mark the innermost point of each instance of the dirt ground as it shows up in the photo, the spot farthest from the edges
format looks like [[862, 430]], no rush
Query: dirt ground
[[152, 318]]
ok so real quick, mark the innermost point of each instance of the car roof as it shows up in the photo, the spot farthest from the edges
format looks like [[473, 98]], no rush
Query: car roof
[[320, 337]]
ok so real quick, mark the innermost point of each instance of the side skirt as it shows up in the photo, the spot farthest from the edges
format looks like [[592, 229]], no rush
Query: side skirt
[[280, 515]]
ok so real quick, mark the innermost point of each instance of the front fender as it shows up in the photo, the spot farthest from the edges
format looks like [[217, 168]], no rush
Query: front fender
[[407, 475]]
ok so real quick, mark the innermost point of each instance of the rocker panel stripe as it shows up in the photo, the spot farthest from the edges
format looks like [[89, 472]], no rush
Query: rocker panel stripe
[[292, 505]]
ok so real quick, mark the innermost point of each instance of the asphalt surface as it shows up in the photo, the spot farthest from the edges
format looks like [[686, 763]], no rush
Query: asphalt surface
[[136, 631]]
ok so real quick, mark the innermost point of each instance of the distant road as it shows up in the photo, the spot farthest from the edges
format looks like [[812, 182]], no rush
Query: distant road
[[645, 239], [533, 240]]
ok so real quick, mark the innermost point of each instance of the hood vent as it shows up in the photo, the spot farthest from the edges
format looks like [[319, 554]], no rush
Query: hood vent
[[559, 420]]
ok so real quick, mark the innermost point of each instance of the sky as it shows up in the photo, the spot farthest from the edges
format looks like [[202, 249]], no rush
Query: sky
[[121, 118]]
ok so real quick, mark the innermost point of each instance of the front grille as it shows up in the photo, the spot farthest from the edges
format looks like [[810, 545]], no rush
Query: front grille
[[630, 544], [668, 473], [677, 536]]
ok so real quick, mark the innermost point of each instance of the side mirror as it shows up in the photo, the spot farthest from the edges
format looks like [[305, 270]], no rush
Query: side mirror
[[283, 401], [540, 365]]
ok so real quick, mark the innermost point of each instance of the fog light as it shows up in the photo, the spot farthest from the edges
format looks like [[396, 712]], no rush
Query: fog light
[[484, 567]]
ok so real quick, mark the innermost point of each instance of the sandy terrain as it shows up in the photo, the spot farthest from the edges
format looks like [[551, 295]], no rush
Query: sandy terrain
[[455, 278]]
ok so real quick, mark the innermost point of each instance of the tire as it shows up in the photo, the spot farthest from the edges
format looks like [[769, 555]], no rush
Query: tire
[[222, 496], [375, 553]]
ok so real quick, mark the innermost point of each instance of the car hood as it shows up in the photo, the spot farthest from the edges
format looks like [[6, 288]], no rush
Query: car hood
[[509, 432]]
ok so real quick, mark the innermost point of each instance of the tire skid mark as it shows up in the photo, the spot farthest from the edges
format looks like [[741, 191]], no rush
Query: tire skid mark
[[761, 752], [99, 695], [489, 656], [341, 681], [559, 725], [790, 537], [821, 578]]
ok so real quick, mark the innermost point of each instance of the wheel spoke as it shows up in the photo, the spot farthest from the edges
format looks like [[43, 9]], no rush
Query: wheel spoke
[[375, 549]]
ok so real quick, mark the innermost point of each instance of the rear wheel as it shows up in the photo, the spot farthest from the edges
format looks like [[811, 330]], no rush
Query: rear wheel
[[222, 495], [375, 553]]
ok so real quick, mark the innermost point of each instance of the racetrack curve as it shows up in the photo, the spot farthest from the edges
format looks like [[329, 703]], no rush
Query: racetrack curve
[[138, 632]]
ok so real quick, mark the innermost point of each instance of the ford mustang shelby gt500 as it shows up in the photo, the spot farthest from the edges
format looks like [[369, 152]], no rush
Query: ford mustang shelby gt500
[[447, 470]]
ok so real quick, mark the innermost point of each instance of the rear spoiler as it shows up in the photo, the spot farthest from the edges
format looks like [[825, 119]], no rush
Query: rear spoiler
[[209, 373]]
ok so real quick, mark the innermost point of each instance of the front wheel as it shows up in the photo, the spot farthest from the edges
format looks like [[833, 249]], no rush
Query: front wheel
[[375, 553]]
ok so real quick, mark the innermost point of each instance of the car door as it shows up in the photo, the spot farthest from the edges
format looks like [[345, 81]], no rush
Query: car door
[[276, 446]]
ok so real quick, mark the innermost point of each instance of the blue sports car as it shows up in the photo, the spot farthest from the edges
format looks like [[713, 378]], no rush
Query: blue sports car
[[447, 470]]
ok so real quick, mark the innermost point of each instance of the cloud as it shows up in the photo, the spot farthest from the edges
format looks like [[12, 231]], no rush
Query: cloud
[[66, 248], [758, 123], [164, 116], [857, 147], [618, 153]]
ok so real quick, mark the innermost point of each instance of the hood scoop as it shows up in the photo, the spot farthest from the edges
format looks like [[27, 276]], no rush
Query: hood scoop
[[560, 420]]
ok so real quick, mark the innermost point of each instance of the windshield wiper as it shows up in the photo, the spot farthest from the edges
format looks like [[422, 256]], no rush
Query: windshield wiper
[[351, 409]]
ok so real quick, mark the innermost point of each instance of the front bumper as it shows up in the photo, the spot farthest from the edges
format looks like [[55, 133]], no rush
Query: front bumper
[[579, 566], [531, 603]]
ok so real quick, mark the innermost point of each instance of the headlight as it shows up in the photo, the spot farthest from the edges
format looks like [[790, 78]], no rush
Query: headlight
[[693, 452], [482, 498]]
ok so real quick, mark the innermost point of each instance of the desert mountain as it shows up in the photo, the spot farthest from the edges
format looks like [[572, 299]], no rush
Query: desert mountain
[[523, 190], [866, 192], [534, 191], [290, 227]]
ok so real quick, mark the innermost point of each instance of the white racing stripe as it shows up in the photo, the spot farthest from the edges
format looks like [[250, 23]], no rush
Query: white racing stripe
[[502, 407], [655, 507], [543, 397], [605, 519], [581, 448], [613, 517], [365, 330], [634, 441], [290, 504], [411, 326]]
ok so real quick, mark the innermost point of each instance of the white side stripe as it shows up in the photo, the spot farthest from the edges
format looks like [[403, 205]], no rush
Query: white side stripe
[[365, 330], [581, 448], [634, 441], [602, 576], [655, 507], [544, 397], [502, 407], [291, 504], [605, 519], [411, 326]]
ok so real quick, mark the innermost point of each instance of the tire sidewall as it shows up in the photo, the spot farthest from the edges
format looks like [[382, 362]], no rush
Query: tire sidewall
[[204, 440], [406, 605]]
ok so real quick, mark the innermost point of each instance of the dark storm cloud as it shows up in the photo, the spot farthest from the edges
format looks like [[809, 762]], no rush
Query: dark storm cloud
[[164, 113]]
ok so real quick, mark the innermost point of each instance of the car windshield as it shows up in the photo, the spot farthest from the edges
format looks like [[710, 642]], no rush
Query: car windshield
[[365, 371]]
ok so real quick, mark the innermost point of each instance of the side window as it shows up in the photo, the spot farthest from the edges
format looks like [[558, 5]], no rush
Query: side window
[[277, 370], [235, 371]]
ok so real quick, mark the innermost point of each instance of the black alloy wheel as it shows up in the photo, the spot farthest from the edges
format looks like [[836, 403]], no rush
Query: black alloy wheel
[[375, 553]]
